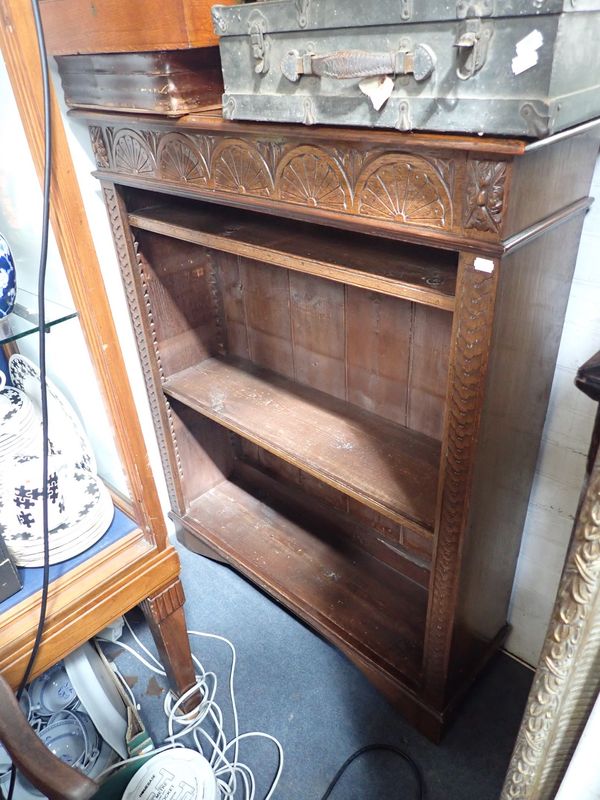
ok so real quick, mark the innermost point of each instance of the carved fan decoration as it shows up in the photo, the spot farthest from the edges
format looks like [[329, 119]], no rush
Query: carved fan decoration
[[237, 167], [405, 189], [131, 153], [178, 160], [312, 178]]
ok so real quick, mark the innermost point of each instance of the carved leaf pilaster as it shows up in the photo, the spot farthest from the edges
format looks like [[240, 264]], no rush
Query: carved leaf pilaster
[[484, 200], [99, 147], [473, 316]]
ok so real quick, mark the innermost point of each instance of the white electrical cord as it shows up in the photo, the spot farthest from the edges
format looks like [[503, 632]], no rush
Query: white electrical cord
[[230, 774]]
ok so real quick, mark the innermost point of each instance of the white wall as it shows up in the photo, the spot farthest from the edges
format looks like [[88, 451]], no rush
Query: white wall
[[582, 779], [561, 462]]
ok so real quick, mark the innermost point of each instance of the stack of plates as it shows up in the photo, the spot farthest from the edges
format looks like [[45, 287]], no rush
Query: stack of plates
[[57, 713], [19, 424], [80, 506]]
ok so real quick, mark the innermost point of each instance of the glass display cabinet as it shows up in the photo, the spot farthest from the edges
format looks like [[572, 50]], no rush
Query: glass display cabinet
[[133, 563]]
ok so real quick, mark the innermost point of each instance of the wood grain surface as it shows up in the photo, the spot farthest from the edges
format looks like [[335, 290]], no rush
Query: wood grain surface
[[401, 270], [386, 466], [114, 26], [362, 601]]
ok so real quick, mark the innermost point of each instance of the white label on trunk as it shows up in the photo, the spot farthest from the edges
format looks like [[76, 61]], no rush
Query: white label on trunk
[[483, 264], [377, 89], [527, 52]]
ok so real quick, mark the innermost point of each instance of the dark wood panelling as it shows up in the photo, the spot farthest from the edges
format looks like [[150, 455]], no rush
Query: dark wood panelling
[[428, 379], [178, 297], [266, 298], [228, 277], [378, 363], [318, 327]]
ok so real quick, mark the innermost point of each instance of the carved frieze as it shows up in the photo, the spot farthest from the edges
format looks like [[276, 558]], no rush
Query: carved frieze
[[238, 167], [346, 177], [484, 202], [132, 153]]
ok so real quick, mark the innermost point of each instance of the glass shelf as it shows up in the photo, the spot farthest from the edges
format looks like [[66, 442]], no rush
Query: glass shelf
[[24, 319]]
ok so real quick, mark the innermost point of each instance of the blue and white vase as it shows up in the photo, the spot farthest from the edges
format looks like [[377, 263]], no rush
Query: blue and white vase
[[8, 279]]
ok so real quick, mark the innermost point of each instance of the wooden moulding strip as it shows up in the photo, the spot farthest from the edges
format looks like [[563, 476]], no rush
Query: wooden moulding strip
[[544, 225], [279, 256], [212, 122]]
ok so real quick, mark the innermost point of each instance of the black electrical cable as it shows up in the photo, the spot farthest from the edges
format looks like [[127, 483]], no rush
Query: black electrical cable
[[384, 748], [42, 355]]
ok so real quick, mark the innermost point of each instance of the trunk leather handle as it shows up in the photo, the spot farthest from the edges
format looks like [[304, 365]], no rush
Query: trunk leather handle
[[344, 64]]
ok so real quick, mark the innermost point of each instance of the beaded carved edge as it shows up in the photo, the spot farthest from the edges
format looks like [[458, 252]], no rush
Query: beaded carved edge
[[124, 258]]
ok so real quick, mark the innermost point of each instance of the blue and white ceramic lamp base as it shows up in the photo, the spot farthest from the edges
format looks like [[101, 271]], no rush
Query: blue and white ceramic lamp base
[[8, 279]]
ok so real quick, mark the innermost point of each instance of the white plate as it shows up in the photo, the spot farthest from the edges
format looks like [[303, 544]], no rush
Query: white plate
[[106, 758], [52, 692], [99, 696], [89, 516], [65, 429]]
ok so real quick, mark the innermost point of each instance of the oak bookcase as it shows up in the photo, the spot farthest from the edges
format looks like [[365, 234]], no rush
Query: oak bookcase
[[349, 339]]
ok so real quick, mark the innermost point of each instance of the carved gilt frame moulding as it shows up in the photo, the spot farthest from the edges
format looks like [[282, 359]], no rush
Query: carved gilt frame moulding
[[567, 680]]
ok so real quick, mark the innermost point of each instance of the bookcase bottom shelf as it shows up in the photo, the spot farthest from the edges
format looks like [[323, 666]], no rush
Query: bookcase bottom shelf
[[372, 612]]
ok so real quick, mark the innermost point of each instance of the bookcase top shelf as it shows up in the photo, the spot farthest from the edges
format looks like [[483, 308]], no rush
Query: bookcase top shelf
[[423, 275]]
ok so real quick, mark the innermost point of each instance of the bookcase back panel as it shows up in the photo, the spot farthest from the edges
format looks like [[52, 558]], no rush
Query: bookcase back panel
[[381, 353], [180, 298]]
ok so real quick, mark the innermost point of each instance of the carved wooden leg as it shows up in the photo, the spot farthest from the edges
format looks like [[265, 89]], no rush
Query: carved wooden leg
[[165, 615]]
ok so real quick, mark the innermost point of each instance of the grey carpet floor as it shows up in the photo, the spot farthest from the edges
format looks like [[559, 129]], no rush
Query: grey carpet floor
[[292, 684]]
